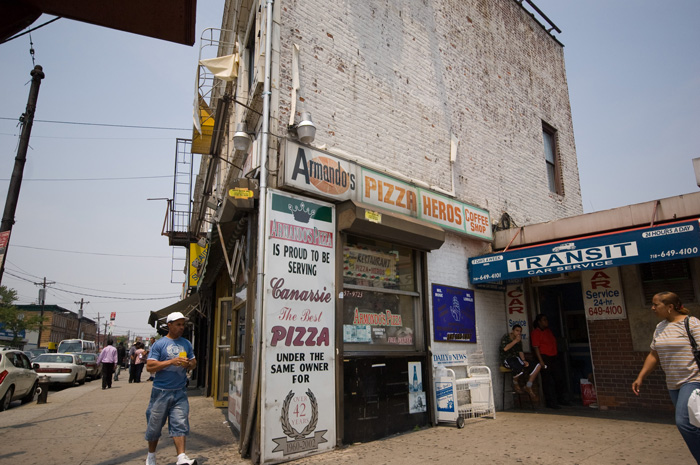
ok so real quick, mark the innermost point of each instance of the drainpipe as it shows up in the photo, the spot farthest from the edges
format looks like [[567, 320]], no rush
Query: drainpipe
[[260, 281]]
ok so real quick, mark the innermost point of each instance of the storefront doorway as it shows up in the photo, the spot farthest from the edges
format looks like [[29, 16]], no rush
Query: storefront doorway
[[563, 305]]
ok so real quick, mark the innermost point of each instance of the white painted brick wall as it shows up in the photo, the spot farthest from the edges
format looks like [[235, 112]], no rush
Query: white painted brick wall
[[390, 81], [447, 266]]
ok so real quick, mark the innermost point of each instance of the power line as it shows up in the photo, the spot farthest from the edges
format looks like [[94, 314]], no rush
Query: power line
[[91, 253], [107, 125], [30, 30], [164, 297], [93, 179], [89, 138], [90, 288], [110, 297]]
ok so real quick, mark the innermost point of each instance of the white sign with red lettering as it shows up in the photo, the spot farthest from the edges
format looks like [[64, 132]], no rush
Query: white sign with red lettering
[[298, 378], [516, 312], [602, 294]]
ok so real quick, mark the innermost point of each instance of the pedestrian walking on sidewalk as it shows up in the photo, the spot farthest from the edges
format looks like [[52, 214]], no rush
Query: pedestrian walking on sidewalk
[[671, 349], [170, 358], [121, 354], [137, 363], [150, 344], [108, 358], [132, 352]]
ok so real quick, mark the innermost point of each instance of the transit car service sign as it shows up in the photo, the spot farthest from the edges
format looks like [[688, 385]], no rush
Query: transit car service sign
[[298, 376], [671, 241]]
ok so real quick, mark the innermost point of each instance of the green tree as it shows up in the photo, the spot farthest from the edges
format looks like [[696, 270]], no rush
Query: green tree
[[12, 319]]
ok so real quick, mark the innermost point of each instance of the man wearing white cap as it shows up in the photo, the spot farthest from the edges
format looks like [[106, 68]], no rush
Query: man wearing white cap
[[169, 359]]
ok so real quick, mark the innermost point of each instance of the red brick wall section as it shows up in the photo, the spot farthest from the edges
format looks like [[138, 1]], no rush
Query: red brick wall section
[[617, 366]]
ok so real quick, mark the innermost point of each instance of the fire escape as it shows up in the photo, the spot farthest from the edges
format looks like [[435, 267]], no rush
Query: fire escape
[[177, 217]]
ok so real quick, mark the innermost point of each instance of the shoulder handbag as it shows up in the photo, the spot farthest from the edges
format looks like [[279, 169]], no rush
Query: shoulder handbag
[[693, 344]]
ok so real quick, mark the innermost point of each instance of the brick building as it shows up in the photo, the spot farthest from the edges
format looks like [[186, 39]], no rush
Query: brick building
[[60, 324], [331, 268]]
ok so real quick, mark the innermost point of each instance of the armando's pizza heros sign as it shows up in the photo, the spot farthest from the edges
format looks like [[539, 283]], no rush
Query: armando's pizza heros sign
[[335, 178]]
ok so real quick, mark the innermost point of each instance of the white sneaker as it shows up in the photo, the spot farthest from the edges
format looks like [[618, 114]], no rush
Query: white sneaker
[[183, 459], [151, 460]]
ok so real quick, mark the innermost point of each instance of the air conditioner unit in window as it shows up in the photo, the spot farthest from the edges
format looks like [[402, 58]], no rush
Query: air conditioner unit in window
[[551, 277]]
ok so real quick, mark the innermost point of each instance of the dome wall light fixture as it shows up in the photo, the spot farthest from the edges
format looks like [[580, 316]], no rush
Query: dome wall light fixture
[[304, 131], [241, 138]]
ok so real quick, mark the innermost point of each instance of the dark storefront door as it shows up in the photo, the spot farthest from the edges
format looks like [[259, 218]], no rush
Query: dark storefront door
[[377, 400], [563, 305]]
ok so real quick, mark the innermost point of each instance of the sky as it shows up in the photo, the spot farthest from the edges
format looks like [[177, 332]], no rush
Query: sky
[[84, 221]]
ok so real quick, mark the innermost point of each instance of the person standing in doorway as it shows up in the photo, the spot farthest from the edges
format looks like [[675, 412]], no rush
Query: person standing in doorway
[[671, 349], [121, 353], [108, 358], [169, 360], [544, 344]]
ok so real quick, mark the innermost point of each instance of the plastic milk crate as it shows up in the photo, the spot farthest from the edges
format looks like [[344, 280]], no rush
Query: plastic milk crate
[[459, 399]]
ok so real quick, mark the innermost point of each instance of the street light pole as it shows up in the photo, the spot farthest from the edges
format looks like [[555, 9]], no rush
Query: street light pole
[[27, 119]]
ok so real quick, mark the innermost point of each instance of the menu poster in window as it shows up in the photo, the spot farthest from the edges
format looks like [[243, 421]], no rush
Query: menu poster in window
[[377, 318], [370, 265], [298, 374], [454, 316], [235, 393]]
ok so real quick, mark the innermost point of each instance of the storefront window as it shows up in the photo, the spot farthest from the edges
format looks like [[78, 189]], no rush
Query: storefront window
[[380, 299]]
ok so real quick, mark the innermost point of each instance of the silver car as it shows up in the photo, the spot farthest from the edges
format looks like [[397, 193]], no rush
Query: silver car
[[94, 370], [17, 379], [61, 368]]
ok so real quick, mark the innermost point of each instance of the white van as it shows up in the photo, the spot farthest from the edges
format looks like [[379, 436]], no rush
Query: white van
[[74, 346]]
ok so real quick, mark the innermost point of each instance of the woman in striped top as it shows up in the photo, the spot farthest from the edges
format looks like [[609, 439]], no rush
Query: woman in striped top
[[671, 349]]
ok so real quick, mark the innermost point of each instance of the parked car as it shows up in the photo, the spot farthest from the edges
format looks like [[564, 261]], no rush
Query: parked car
[[61, 368], [17, 379], [94, 370], [36, 352]]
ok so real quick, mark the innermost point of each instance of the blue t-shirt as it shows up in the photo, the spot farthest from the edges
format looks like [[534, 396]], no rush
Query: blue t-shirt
[[171, 377]]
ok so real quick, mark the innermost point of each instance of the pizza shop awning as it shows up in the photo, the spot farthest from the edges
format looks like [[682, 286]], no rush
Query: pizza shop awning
[[670, 241], [185, 306]]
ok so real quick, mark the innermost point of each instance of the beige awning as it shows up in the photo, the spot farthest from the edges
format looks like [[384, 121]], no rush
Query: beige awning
[[185, 306]]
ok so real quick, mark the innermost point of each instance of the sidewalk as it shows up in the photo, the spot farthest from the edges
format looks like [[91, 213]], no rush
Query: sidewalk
[[85, 425]]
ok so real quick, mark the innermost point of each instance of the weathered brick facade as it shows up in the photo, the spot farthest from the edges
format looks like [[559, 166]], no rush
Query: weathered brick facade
[[392, 82], [617, 365], [395, 84]]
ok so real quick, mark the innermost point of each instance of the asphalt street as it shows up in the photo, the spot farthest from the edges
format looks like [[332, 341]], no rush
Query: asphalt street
[[85, 425]]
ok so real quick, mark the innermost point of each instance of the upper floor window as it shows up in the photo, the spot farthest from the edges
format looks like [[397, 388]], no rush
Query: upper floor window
[[251, 58], [551, 157], [672, 275]]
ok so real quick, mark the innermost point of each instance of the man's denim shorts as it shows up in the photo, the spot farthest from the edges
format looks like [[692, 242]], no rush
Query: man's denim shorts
[[170, 405]]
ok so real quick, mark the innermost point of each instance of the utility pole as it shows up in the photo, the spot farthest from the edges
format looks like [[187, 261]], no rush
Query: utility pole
[[27, 120], [80, 315], [106, 323], [98, 328], [42, 299]]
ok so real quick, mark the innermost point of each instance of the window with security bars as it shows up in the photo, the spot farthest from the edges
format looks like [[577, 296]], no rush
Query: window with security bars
[[674, 276]]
